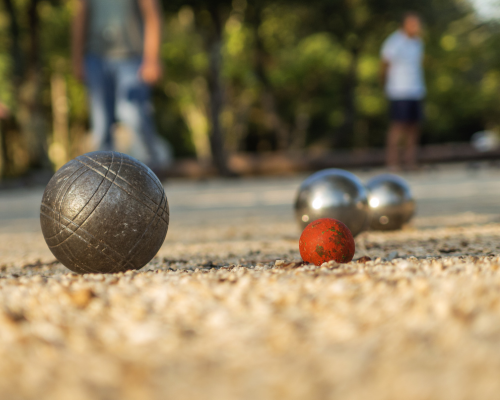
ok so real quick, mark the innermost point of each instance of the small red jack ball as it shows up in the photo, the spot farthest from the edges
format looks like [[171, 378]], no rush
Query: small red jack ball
[[326, 239]]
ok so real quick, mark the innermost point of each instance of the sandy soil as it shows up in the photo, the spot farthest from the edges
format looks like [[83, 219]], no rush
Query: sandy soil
[[230, 313]]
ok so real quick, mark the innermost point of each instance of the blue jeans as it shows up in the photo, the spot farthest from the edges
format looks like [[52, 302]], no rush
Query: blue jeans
[[118, 94]]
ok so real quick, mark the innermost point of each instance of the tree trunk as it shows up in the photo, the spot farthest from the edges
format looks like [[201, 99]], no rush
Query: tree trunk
[[3, 152], [30, 111], [216, 90], [17, 73], [346, 130], [268, 101], [59, 148], [299, 135], [274, 121], [15, 49]]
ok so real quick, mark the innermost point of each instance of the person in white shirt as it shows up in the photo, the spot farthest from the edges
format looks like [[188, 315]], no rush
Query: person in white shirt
[[403, 78]]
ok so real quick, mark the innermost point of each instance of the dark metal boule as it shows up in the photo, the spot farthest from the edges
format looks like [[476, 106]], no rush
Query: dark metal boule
[[104, 212]]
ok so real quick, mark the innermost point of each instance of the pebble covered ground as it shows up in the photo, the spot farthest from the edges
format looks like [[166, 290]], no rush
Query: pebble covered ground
[[232, 313]]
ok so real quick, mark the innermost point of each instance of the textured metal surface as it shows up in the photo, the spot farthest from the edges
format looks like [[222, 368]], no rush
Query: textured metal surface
[[104, 212], [333, 193], [391, 202]]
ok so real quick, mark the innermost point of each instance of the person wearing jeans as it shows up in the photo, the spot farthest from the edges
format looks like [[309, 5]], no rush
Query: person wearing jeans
[[116, 52], [402, 74]]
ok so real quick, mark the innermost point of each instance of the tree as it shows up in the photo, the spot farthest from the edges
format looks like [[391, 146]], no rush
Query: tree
[[210, 17], [27, 78]]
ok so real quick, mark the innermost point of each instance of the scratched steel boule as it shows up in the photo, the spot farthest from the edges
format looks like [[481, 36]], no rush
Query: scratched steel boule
[[333, 193], [104, 212], [391, 202]]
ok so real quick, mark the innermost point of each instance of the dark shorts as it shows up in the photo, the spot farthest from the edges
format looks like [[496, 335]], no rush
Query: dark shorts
[[406, 111]]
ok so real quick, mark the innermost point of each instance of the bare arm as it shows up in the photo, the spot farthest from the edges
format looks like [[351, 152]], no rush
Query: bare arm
[[78, 38], [151, 70]]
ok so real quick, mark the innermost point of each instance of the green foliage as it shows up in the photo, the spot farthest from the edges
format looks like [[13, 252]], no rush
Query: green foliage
[[295, 73]]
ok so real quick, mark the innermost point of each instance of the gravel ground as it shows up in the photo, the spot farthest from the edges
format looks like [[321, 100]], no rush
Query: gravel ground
[[230, 312]]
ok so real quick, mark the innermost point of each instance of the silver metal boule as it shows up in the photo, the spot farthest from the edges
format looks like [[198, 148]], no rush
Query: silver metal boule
[[391, 202], [333, 193]]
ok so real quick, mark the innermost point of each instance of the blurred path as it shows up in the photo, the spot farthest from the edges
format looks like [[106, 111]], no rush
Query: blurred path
[[445, 192]]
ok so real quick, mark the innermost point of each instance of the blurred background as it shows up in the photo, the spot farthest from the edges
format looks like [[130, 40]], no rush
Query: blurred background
[[293, 84]]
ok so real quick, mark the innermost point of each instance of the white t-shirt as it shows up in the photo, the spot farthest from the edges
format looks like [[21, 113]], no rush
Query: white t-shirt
[[405, 77]]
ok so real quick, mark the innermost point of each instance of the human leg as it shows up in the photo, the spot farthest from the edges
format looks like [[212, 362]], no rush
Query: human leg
[[412, 139], [396, 130], [134, 107], [101, 94], [398, 114], [415, 116]]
